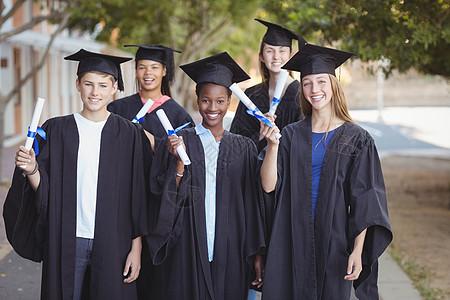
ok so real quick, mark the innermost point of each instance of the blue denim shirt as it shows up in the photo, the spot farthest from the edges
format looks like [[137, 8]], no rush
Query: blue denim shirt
[[211, 150]]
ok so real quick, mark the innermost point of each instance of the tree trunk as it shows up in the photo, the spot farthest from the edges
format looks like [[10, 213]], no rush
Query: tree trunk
[[4, 99], [198, 43]]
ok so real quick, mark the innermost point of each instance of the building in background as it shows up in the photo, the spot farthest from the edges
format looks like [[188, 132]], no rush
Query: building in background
[[55, 82]]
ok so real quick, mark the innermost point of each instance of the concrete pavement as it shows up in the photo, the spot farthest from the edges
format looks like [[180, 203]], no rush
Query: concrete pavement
[[393, 283], [20, 279]]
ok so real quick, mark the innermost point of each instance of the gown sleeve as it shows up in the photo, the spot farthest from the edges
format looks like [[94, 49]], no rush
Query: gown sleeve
[[368, 209], [255, 232], [166, 203], [142, 159], [25, 211], [269, 200]]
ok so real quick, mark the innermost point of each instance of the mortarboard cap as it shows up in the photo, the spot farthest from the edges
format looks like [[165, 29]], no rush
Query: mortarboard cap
[[220, 69], [277, 35], [315, 59], [90, 61], [158, 53]]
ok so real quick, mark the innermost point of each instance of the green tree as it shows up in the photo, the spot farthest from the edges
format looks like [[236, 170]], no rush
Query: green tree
[[195, 27], [410, 33]]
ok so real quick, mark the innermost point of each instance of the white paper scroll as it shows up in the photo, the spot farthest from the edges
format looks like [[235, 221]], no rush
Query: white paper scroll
[[34, 122], [168, 127], [143, 110], [249, 104], [278, 90]]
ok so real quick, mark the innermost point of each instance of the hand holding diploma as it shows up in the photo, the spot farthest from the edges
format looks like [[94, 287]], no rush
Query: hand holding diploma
[[253, 110], [33, 129], [34, 124], [170, 131], [278, 90], [143, 111], [26, 156]]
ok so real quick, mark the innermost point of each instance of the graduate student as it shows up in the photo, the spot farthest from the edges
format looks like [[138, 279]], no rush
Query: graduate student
[[80, 205], [154, 75], [209, 229], [331, 221], [275, 50]]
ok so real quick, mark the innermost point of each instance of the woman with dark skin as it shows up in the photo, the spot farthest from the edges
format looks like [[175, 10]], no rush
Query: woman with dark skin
[[330, 220], [209, 232]]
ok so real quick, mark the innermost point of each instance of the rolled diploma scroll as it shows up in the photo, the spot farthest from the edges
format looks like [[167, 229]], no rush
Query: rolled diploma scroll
[[143, 110], [278, 90], [34, 123], [247, 102], [167, 126]]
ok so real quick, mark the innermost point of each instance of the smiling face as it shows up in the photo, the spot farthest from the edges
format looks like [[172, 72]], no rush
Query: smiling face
[[274, 57], [149, 73], [213, 101], [95, 90], [317, 91]]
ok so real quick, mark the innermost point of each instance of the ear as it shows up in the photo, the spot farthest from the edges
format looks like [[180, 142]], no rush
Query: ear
[[77, 84], [164, 71], [261, 59], [114, 88]]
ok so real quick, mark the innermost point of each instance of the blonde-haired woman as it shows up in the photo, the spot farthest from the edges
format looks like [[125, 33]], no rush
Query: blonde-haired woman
[[330, 221]]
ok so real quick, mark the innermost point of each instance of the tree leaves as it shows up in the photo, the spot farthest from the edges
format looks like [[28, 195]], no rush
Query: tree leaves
[[410, 33]]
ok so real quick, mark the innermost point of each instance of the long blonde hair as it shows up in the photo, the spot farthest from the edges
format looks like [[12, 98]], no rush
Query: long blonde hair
[[338, 102]]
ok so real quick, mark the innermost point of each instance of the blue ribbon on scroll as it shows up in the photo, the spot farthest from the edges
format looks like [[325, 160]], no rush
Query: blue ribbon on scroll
[[32, 135], [174, 132], [139, 120], [262, 118]]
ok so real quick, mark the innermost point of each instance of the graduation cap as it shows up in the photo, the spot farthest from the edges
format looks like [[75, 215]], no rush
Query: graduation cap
[[91, 61], [277, 35], [157, 53], [220, 69], [315, 59]]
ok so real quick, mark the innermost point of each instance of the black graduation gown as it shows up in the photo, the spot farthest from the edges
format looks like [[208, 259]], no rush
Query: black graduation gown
[[307, 256], [49, 214], [288, 111], [129, 106], [178, 241]]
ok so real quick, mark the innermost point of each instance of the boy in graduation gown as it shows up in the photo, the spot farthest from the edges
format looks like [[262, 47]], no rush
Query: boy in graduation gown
[[154, 75], [80, 205], [209, 229], [274, 52], [330, 221]]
